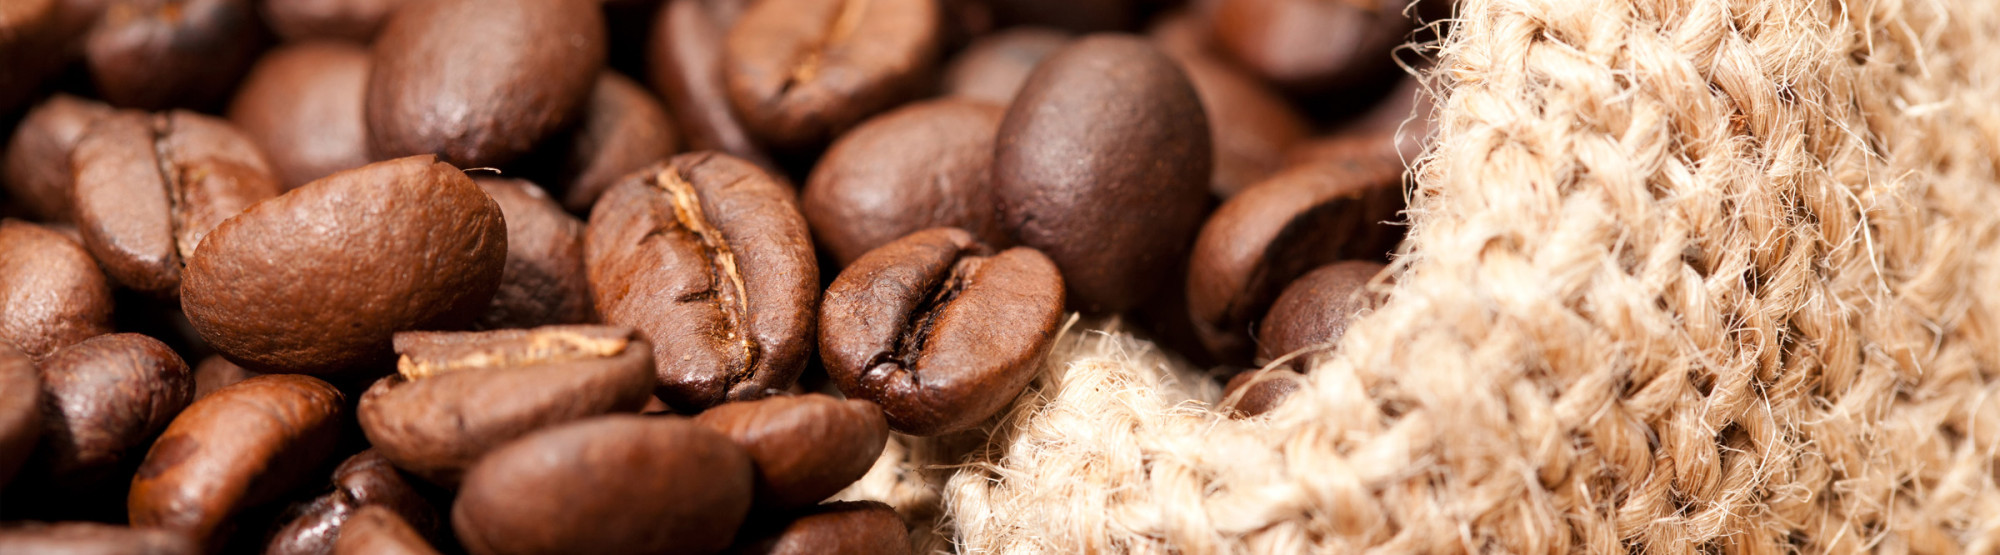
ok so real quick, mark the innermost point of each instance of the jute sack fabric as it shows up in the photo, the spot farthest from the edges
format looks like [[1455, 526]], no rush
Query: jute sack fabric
[[1682, 276]]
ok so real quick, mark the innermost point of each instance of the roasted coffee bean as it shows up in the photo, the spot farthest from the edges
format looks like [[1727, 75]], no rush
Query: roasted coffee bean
[[1282, 228], [994, 67], [481, 82], [1252, 124], [1074, 15], [105, 397], [801, 72], [29, 47], [1261, 391], [938, 330], [924, 165], [456, 396], [92, 538], [158, 54], [1182, 33], [302, 103], [318, 280], [1312, 46], [363, 480], [37, 166], [1316, 308], [149, 187], [349, 20], [844, 528], [609, 485], [20, 410], [1396, 129], [707, 256], [685, 65], [1103, 163], [376, 530], [623, 129], [216, 373], [51, 293], [806, 447], [245, 445], [543, 283]]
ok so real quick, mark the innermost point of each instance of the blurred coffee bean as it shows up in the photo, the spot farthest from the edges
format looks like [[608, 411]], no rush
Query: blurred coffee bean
[[1074, 15], [708, 257], [37, 166], [376, 530], [806, 447], [159, 54], [1262, 390], [1396, 129], [1182, 34], [105, 397], [544, 282], [994, 66], [623, 129], [349, 20], [362, 481], [302, 103], [844, 528], [215, 373], [20, 410], [801, 72], [610, 485], [1252, 124], [318, 280], [1316, 308], [927, 164], [1105, 130], [938, 330], [481, 82], [51, 293], [91, 538], [685, 66], [29, 49], [1310, 46]]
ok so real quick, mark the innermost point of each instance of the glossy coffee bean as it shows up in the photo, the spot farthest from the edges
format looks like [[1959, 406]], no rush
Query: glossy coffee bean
[[1261, 391], [938, 330], [216, 372], [1280, 229], [609, 485], [91, 538], [104, 398], [623, 129], [159, 54], [1312, 45], [806, 447], [1252, 124], [925, 165], [150, 187], [318, 280], [20, 410], [1105, 129], [302, 104], [51, 293], [844, 528], [707, 256], [684, 63], [348, 20], [993, 67], [37, 164], [801, 72], [1074, 15], [376, 530], [543, 283], [362, 481], [1316, 308], [481, 82], [457, 396], [244, 445]]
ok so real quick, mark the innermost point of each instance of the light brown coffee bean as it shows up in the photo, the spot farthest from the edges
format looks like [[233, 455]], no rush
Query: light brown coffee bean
[[1312, 46], [806, 447], [51, 293], [302, 103]]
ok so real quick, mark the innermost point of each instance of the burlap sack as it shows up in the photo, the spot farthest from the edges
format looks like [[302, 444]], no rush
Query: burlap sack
[[1682, 276]]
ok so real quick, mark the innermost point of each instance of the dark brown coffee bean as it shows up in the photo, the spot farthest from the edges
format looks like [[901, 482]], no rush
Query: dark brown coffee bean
[[994, 67], [1279, 229], [363, 480], [376, 530], [349, 20], [623, 129], [92, 538], [245, 445], [1312, 45], [149, 187], [481, 82], [610, 485], [51, 293], [37, 166], [844, 528], [937, 330], [806, 447], [924, 165], [457, 396], [302, 104], [103, 398], [159, 54], [1105, 130], [543, 283], [1261, 391], [1074, 15], [1316, 308], [20, 410], [318, 280], [216, 373], [685, 65], [707, 256], [803, 71], [1252, 124]]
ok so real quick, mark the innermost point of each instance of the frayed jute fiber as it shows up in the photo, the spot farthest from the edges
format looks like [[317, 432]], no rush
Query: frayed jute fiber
[[1681, 276]]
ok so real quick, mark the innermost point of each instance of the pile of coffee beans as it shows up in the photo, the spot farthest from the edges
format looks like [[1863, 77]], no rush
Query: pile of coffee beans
[[640, 276]]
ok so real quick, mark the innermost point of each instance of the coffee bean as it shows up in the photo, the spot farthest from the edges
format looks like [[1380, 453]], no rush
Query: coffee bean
[[1252, 124], [609, 485], [1105, 129], [375, 530], [349, 20], [623, 129], [318, 280], [29, 44], [1183, 33], [806, 447], [1074, 15], [1312, 45], [1316, 309], [994, 67], [362, 481], [803, 71], [707, 256], [92, 538], [685, 65], [158, 54], [105, 397], [37, 165], [149, 187], [1279, 229], [1261, 391], [543, 282], [51, 293], [844, 528], [457, 396], [481, 82], [925, 165], [20, 410], [937, 330], [302, 104], [244, 445], [1395, 129], [215, 373]]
